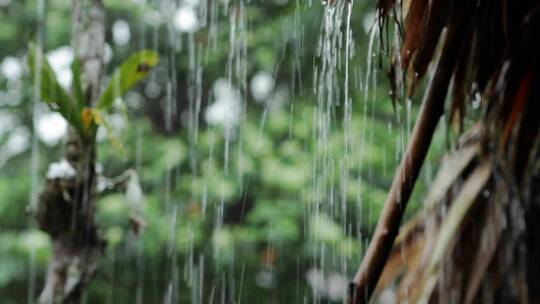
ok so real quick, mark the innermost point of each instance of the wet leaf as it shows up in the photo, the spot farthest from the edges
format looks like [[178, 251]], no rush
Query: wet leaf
[[50, 90], [77, 84], [436, 20], [414, 28], [126, 76]]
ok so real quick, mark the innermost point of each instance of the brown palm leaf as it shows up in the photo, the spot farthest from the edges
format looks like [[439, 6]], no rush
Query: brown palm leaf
[[475, 239]]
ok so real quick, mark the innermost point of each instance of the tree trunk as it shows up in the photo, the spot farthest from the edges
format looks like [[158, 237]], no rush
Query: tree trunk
[[67, 205]]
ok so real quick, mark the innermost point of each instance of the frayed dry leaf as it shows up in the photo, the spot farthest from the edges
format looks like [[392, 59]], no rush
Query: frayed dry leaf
[[447, 236], [414, 28], [436, 20], [489, 238], [405, 254], [451, 169]]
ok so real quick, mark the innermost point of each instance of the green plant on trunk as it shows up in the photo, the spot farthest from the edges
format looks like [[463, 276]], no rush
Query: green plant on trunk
[[67, 203], [73, 108]]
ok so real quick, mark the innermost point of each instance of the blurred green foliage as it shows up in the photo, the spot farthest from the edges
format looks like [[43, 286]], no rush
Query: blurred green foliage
[[244, 214]]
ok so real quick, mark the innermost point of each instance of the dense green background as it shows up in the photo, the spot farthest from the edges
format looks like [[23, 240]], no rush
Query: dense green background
[[255, 225]]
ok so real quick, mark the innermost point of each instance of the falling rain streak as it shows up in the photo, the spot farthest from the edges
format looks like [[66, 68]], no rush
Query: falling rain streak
[[228, 77]]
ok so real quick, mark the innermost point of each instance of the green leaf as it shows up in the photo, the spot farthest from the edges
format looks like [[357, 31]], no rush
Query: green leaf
[[127, 75], [77, 84], [50, 90]]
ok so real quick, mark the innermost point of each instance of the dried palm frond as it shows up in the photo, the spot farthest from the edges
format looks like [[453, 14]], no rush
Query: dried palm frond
[[474, 241]]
